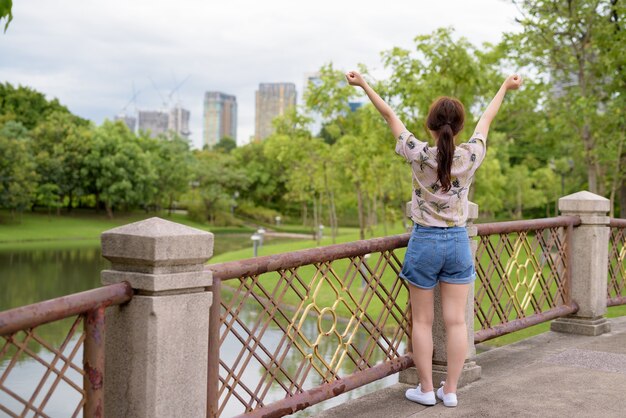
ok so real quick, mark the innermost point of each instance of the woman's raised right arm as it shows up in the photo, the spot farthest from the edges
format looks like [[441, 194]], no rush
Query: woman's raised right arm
[[511, 83]]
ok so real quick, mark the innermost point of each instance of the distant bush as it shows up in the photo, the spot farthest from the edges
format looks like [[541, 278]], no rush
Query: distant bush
[[257, 213]]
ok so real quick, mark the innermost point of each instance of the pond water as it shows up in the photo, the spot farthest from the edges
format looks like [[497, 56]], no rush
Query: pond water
[[28, 276]]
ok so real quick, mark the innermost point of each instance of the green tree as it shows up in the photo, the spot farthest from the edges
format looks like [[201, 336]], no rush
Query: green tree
[[330, 98], [117, 170], [440, 65], [577, 46], [266, 176], [17, 168], [5, 12], [226, 145], [60, 144], [28, 106], [216, 178], [490, 186], [173, 169], [48, 196]]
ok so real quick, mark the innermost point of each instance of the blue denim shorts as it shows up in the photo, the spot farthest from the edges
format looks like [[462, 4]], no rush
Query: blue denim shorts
[[438, 254]]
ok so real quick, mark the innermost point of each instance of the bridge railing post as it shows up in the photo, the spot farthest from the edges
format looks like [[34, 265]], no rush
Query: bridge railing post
[[156, 346], [471, 371], [589, 264]]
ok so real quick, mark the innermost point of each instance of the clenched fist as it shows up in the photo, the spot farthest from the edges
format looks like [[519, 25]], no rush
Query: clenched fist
[[355, 79], [513, 82]]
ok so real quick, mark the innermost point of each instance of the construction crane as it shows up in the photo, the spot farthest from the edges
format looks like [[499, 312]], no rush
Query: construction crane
[[167, 104], [133, 99], [178, 86]]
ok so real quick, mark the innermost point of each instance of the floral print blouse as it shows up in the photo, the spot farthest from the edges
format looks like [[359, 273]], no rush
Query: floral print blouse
[[430, 206]]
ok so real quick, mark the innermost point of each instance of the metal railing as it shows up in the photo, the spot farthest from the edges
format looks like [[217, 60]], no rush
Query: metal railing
[[523, 270], [523, 279], [20, 339], [616, 288], [339, 314]]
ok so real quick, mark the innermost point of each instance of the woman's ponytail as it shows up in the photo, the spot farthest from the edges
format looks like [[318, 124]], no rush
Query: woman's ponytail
[[445, 154], [446, 117]]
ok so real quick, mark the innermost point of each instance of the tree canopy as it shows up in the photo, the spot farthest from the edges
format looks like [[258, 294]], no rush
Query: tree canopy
[[563, 132]]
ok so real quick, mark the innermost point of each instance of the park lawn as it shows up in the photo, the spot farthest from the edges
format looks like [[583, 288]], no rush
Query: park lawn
[[615, 311], [36, 228], [345, 235]]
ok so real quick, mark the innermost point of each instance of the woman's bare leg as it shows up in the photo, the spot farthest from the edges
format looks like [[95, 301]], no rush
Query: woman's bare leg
[[453, 300], [422, 304]]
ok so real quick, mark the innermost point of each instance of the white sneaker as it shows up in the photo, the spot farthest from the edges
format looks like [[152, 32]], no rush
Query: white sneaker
[[449, 399], [424, 398]]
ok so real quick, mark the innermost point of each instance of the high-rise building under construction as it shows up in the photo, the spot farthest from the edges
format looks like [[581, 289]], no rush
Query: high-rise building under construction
[[159, 122], [179, 121], [154, 121]]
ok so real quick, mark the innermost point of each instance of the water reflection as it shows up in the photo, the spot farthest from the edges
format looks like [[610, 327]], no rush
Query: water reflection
[[29, 276]]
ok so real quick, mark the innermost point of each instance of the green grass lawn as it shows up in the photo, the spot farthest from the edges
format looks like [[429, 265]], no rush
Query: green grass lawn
[[345, 235], [33, 230]]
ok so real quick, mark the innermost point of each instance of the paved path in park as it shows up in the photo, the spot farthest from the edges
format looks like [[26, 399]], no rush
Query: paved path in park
[[289, 235], [550, 375]]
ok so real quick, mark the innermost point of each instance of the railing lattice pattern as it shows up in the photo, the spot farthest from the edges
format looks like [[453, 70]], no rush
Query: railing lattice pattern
[[58, 369], [617, 263], [331, 318], [520, 274]]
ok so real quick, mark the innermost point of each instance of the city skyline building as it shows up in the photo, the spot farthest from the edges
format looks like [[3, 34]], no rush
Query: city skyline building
[[354, 106], [129, 121], [316, 117], [220, 118], [154, 121], [272, 100], [179, 121]]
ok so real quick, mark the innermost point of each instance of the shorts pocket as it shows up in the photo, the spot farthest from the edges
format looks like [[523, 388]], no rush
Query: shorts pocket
[[423, 252], [463, 251]]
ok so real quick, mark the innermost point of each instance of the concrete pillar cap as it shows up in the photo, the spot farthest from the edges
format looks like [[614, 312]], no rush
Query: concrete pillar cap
[[157, 246], [584, 202]]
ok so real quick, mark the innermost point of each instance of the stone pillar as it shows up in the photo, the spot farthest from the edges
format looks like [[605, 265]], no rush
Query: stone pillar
[[589, 264], [157, 344], [471, 371]]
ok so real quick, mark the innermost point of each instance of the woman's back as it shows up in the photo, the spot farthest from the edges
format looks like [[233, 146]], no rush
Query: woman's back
[[431, 206]]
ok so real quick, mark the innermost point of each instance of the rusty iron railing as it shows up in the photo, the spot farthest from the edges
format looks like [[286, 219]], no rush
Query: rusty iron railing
[[339, 316], [19, 330], [287, 298], [616, 289], [523, 270]]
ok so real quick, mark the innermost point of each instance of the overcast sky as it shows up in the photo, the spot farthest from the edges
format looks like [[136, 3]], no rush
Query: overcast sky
[[89, 53]]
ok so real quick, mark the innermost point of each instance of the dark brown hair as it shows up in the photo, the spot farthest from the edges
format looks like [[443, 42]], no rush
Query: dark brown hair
[[445, 117]]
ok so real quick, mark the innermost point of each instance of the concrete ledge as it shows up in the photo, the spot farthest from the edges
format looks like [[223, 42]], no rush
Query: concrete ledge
[[471, 373], [581, 326], [159, 282]]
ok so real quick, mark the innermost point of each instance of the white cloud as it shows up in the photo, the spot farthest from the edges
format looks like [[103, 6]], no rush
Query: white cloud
[[88, 54]]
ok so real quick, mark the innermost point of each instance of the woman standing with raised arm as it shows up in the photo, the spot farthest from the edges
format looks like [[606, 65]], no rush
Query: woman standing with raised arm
[[439, 248]]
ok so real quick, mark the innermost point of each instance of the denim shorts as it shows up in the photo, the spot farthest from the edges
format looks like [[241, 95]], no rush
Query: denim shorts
[[438, 254]]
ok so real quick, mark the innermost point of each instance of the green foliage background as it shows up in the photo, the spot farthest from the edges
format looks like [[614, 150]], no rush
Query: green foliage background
[[561, 133]]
